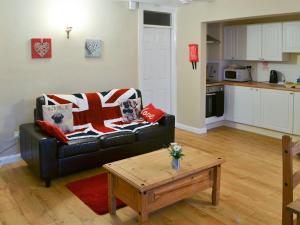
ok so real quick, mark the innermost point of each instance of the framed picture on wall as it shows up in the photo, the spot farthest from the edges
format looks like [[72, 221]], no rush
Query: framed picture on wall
[[41, 48], [93, 48]]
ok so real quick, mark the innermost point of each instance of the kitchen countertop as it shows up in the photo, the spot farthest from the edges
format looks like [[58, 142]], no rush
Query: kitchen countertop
[[254, 84]]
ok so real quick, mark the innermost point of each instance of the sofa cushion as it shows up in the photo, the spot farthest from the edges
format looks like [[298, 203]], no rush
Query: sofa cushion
[[152, 114], [119, 138], [147, 133], [80, 146], [52, 130], [131, 109], [59, 115]]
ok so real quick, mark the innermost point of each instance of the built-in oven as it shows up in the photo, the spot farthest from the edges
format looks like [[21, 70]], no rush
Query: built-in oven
[[214, 101]]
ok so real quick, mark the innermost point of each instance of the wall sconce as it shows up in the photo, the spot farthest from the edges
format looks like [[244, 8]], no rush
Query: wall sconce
[[68, 30]]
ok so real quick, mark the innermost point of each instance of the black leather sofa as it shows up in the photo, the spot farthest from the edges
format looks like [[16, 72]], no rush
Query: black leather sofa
[[48, 158]]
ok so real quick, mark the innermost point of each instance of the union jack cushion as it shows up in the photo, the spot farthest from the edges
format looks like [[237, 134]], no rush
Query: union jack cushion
[[98, 113]]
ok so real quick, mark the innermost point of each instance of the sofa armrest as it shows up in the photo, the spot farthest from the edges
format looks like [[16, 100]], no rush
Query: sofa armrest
[[169, 121], [39, 151]]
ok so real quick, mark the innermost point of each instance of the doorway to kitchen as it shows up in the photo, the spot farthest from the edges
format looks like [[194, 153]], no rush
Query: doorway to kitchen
[[157, 69]]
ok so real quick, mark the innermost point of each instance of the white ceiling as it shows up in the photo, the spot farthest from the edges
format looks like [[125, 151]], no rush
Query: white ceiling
[[168, 2]]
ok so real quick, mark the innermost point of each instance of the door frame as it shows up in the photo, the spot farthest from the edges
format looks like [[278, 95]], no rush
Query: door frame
[[173, 82]]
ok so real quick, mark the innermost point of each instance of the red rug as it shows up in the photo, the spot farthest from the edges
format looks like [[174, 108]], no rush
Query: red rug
[[93, 191]]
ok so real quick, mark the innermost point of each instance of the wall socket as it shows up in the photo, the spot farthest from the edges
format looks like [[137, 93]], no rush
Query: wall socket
[[16, 134]]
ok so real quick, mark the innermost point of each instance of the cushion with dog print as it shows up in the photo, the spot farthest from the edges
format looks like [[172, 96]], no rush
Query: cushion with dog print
[[59, 115], [52, 130], [131, 109]]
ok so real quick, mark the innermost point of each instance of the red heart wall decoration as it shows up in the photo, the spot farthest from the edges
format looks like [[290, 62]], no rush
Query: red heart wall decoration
[[41, 48]]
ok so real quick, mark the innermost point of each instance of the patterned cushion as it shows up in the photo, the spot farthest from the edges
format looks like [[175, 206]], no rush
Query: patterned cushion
[[59, 115], [152, 114], [131, 109]]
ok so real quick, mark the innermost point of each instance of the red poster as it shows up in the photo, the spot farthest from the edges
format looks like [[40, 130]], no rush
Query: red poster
[[41, 48]]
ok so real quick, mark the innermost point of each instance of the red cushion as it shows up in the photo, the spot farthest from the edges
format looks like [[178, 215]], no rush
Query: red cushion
[[52, 130], [152, 114]]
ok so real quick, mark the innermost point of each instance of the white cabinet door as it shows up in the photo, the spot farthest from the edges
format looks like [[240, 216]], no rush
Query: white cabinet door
[[235, 38], [256, 106], [272, 42], [229, 43], [254, 35], [296, 113], [277, 110], [228, 102], [242, 105], [291, 36], [241, 42]]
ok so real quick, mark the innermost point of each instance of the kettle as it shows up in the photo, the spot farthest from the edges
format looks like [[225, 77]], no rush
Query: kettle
[[273, 76]]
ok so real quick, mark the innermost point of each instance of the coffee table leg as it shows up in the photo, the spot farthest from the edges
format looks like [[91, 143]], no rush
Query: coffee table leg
[[111, 197], [143, 219], [216, 185]]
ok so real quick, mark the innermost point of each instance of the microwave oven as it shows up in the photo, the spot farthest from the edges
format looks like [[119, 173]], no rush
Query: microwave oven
[[237, 74]]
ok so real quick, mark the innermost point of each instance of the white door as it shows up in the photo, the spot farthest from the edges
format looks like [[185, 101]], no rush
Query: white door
[[277, 110], [254, 42], [297, 113], [272, 42], [156, 67], [291, 36]]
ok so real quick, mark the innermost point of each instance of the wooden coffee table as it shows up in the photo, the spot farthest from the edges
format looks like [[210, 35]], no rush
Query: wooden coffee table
[[147, 182]]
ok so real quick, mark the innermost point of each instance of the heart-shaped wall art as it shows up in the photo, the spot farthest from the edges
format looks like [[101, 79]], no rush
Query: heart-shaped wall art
[[93, 48], [41, 48]]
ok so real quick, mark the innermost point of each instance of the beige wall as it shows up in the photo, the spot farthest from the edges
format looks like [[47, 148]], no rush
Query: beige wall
[[23, 79], [191, 84]]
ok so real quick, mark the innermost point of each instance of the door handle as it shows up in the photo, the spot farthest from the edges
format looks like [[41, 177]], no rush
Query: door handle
[[211, 94]]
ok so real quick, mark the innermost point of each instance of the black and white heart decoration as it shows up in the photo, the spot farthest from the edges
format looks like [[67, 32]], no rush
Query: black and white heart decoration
[[93, 48]]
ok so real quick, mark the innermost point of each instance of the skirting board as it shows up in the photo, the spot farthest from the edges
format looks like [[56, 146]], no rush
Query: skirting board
[[258, 130], [191, 129], [9, 159]]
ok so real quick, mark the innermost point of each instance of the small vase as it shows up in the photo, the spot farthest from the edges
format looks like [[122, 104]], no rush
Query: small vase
[[176, 164]]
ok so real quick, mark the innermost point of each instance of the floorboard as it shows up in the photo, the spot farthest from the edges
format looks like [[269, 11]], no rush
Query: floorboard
[[250, 189]]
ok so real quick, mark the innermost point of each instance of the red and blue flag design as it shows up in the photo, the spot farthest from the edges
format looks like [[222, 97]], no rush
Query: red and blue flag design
[[98, 113]]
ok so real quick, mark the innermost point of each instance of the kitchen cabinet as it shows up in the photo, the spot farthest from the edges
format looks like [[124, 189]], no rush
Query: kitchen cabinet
[[241, 105], [272, 42], [228, 102], [291, 36], [229, 43], [235, 42], [264, 42], [258, 42], [241, 42], [254, 34], [277, 110], [296, 130]]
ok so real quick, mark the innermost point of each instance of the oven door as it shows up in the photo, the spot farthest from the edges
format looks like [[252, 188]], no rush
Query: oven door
[[215, 104]]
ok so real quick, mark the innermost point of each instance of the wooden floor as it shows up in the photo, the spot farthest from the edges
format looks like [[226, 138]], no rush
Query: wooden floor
[[250, 189]]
